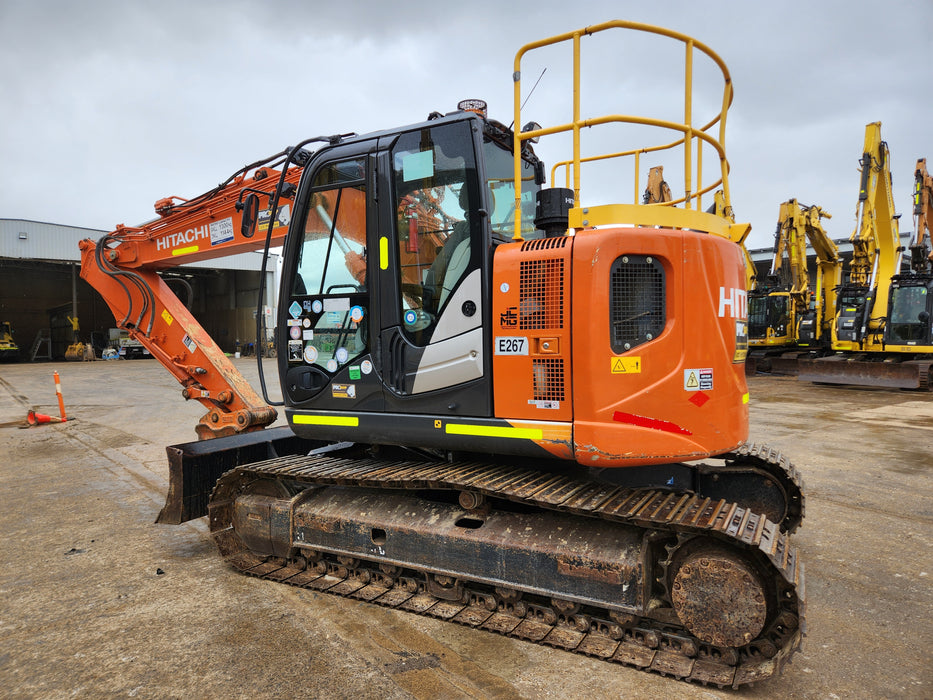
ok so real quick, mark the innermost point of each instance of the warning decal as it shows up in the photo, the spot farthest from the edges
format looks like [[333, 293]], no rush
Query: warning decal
[[698, 379], [625, 365]]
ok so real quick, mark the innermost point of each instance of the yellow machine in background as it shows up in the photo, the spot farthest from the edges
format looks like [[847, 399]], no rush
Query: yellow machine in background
[[781, 317], [9, 350], [881, 332]]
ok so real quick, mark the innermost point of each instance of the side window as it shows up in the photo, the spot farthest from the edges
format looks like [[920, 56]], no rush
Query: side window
[[332, 256], [435, 203], [329, 300]]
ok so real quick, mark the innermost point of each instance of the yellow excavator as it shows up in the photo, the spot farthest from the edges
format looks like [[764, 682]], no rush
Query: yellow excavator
[[784, 315], [9, 350], [881, 331]]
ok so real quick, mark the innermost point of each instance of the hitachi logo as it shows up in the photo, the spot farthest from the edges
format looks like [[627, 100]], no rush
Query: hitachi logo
[[735, 300], [172, 240]]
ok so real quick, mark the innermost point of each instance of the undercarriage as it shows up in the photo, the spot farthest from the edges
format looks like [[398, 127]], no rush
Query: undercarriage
[[678, 583]]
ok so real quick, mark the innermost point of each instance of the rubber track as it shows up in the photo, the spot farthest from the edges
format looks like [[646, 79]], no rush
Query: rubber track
[[650, 646], [773, 462]]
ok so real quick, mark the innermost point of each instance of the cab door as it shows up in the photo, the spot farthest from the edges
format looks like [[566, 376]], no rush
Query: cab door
[[326, 318], [433, 270]]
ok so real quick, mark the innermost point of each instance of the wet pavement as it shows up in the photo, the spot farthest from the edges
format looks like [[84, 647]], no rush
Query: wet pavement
[[96, 600]]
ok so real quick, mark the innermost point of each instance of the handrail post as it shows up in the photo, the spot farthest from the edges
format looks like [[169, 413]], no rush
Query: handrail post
[[576, 119], [688, 122]]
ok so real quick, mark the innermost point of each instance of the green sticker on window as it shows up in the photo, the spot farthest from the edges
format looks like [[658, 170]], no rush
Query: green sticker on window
[[354, 372]]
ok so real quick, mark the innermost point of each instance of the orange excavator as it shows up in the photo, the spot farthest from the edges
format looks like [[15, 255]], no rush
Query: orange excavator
[[505, 408]]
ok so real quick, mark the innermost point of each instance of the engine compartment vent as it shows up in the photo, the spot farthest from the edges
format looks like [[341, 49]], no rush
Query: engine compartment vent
[[541, 294], [637, 307], [548, 379]]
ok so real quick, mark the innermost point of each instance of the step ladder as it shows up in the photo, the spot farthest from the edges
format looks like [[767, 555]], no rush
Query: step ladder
[[43, 336]]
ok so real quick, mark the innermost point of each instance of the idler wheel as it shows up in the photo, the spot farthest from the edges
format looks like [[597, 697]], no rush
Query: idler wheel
[[719, 598]]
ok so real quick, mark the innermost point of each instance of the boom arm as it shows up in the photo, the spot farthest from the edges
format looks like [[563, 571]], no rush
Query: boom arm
[[920, 255], [875, 240], [123, 267]]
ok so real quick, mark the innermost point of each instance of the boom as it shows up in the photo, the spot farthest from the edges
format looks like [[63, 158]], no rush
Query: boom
[[921, 257], [124, 267], [875, 255]]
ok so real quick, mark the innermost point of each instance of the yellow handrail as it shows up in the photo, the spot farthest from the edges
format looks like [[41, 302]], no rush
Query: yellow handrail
[[692, 196]]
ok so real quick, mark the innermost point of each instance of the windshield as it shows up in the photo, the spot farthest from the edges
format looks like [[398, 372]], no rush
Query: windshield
[[907, 304]]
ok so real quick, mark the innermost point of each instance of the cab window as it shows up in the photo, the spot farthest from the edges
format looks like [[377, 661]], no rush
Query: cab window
[[329, 300], [437, 222]]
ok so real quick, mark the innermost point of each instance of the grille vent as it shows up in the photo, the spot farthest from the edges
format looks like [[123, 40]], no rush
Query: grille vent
[[545, 243], [541, 292], [548, 379], [636, 301]]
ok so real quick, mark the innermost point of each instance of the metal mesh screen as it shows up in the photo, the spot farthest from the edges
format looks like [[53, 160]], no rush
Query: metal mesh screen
[[636, 301], [548, 379], [541, 291]]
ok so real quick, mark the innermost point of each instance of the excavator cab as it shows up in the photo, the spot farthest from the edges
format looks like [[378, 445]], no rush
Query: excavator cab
[[385, 301], [770, 318], [910, 310]]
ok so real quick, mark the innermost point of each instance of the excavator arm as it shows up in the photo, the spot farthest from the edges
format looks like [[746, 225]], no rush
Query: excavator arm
[[875, 239], [124, 265], [921, 257]]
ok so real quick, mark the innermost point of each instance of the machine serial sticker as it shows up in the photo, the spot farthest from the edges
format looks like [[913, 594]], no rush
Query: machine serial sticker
[[625, 365], [343, 391], [544, 404], [221, 231], [511, 346], [338, 304], [189, 343], [698, 379]]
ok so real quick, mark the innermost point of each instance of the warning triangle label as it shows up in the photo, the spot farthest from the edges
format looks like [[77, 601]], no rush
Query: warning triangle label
[[619, 366], [692, 382]]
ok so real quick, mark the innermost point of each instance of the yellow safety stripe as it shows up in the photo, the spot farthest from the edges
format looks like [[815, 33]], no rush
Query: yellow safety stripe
[[348, 421], [494, 431]]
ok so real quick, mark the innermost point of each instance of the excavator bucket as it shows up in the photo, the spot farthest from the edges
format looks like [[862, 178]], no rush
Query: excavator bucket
[[194, 467]]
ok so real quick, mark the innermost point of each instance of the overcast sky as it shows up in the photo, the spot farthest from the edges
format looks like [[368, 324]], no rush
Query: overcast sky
[[106, 107]]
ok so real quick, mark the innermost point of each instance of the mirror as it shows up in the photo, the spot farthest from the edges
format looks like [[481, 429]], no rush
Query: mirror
[[250, 215]]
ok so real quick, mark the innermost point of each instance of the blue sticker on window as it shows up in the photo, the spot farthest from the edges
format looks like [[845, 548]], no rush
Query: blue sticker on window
[[410, 317], [295, 309], [416, 166]]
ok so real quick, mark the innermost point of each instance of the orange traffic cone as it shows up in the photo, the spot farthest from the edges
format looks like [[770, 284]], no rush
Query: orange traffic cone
[[34, 418]]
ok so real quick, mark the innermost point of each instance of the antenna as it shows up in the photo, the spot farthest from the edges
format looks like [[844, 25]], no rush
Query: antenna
[[533, 87]]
